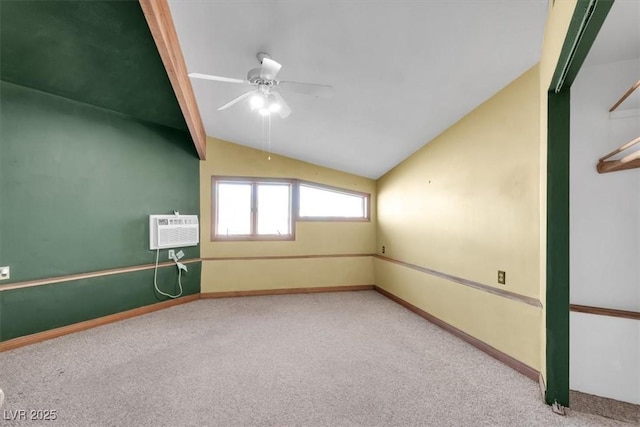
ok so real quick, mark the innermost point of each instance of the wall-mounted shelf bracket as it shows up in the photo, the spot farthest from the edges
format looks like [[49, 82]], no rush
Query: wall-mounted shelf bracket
[[630, 161], [624, 97]]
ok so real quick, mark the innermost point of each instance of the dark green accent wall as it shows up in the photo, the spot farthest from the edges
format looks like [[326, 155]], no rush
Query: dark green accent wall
[[30, 310], [96, 52], [77, 184], [572, 57]]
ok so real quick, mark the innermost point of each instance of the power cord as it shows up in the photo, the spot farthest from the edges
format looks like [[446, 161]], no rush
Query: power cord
[[155, 274]]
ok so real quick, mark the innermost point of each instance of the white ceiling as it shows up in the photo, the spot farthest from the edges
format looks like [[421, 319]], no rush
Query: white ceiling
[[619, 37], [403, 71]]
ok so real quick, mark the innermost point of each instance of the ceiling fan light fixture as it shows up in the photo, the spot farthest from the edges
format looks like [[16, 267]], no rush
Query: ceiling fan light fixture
[[275, 107], [272, 104], [257, 101], [265, 96]]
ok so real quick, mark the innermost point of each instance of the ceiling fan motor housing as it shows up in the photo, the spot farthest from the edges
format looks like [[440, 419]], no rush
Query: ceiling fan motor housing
[[253, 77]]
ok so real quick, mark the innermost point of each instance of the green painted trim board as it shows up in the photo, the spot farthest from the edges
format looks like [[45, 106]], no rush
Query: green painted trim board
[[577, 44], [586, 22], [557, 304]]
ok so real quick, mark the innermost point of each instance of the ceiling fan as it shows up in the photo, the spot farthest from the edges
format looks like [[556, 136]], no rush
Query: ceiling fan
[[265, 95]]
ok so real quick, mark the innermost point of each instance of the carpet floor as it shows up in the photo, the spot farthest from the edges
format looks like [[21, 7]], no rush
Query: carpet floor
[[609, 408], [334, 359]]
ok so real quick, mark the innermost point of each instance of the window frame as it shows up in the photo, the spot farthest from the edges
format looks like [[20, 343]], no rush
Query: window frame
[[294, 207], [365, 196], [254, 182]]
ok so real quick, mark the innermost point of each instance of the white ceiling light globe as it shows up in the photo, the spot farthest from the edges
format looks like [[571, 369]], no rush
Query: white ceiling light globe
[[257, 101], [274, 107]]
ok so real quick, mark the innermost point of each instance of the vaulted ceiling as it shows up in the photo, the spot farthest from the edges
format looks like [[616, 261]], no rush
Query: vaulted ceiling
[[619, 38], [403, 71]]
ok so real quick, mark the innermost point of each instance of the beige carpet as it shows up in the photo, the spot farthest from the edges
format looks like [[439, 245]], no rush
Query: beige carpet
[[340, 359], [608, 408]]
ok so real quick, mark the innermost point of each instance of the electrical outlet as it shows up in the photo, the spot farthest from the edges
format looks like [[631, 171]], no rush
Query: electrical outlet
[[5, 273], [179, 255], [172, 254], [502, 277], [383, 249]]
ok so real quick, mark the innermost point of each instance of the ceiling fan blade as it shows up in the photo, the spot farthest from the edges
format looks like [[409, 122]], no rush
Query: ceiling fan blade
[[270, 69], [238, 99], [216, 78], [285, 110], [319, 91]]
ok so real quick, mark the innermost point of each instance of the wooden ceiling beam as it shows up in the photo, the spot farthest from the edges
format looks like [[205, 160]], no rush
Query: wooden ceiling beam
[[158, 18]]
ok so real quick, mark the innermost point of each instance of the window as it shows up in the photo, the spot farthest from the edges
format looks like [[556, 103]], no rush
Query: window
[[252, 209], [319, 202], [266, 208]]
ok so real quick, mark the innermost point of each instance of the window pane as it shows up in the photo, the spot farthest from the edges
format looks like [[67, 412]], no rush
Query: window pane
[[321, 202], [234, 209], [273, 209]]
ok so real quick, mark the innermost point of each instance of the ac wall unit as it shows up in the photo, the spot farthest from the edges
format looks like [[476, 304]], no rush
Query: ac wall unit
[[173, 231]]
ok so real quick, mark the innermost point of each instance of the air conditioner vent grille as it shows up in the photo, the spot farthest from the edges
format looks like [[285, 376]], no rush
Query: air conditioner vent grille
[[172, 231]]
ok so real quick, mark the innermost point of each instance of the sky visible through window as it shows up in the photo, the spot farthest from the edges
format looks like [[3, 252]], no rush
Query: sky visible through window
[[234, 209], [274, 209], [273, 205], [319, 202]]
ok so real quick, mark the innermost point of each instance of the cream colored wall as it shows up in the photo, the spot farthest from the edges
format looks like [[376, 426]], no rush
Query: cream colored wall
[[260, 274], [468, 204], [312, 238], [509, 326]]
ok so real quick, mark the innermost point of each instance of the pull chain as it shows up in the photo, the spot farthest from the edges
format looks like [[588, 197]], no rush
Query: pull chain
[[269, 141], [266, 137]]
